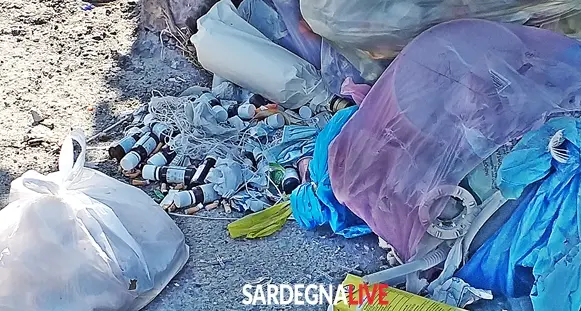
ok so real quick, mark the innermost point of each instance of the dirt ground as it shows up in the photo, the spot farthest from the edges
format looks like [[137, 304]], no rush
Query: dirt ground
[[82, 69]]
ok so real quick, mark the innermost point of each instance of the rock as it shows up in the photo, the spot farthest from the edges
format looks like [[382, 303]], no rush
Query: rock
[[36, 118]]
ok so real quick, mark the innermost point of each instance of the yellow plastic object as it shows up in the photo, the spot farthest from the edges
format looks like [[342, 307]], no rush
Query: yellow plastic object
[[261, 224], [399, 300]]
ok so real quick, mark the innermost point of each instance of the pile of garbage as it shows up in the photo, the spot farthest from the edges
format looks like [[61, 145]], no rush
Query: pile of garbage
[[446, 128], [367, 120]]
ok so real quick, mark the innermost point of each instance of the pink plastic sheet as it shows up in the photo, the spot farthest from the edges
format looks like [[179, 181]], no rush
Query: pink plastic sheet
[[453, 96]]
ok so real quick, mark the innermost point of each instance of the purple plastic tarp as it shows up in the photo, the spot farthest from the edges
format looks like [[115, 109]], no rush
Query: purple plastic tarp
[[453, 96]]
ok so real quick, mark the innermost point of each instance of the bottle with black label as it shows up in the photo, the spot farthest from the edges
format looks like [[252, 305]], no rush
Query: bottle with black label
[[163, 157], [290, 180], [203, 170], [161, 131], [168, 174], [209, 98], [201, 194], [119, 149], [143, 147], [257, 100], [337, 103]]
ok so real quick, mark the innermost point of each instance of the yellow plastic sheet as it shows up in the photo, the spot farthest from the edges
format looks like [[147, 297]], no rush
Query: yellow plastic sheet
[[261, 224], [398, 301]]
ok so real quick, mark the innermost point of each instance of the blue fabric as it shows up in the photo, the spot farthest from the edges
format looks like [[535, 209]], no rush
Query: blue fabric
[[536, 252], [314, 204]]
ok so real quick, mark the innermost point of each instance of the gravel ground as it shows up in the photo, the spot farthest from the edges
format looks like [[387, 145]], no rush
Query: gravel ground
[[83, 69]]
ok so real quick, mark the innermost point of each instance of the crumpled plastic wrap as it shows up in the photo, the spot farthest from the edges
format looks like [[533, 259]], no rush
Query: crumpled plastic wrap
[[456, 93], [371, 30]]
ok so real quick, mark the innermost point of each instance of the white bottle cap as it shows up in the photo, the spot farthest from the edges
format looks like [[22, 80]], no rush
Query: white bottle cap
[[148, 119], [130, 161], [183, 199], [220, 113], [305, 112], [246, 111], [148, 172], [276, 121], [237, 123]]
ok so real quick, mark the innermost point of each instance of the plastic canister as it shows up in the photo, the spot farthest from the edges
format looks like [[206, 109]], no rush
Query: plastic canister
[[275, 121], [163, 157], [203, 170], [168, 174], [143, 147], [290, 180], [246, 111], [200, 194]]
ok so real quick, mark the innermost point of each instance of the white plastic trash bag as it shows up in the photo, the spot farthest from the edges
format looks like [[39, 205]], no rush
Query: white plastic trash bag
[[231, 48], [78, 240]]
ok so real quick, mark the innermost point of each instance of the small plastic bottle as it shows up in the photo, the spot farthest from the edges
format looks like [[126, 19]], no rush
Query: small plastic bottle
[[337, 103], [290, 180], [142, 148], [305, 112], [257, 100], [161, 131], [209, 98], [203, 170], [246, 111], [275, 121], [168, 174], [163, 157], [200, 194], [119, 149]]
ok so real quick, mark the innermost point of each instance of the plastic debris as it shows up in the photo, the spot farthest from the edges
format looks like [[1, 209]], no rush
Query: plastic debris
[[93, 235], [405, 151], [261, 224], [227, 45], [314, 203]]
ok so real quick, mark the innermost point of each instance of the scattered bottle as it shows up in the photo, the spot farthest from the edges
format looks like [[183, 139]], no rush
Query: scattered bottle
[[220, 113], [203, 170], [257, 100], [209, 98], [337, 103], [198, 195], [163, 157], [168, 174], [119, 149], [246, 111], [275, 121], [305, 112], [161, 131], [142, 148], [290, 180]]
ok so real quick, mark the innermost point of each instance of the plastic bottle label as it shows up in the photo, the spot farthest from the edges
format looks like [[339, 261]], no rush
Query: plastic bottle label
[[149, 144], [127, 143], [210, 195], [175, 176]]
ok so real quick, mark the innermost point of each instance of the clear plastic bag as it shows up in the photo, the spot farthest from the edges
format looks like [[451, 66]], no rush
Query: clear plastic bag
[[78, 240], [368, 31], [454, 95]]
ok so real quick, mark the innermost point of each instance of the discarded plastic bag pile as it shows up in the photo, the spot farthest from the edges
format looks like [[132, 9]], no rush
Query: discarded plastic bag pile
[[79, 240], [442, 107], [536, 252], [368, 31]]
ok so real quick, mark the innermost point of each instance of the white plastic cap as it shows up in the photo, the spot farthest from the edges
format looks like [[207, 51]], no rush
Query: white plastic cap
[[130, 161], [183, 199], [220, 113], [276, 121], [305, 112], [148, 172], [246, 111]]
